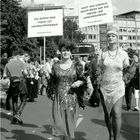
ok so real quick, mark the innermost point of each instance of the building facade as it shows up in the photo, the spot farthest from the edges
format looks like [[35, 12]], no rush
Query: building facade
[[129, 30], [129, 33]]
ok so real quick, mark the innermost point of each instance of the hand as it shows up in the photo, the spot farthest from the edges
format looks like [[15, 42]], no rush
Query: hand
[[47, 74], [90, 87], [77, 84], [25, 72]]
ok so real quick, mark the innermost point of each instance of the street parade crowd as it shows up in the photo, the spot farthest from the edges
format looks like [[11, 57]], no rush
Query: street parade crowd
[[105, 78]]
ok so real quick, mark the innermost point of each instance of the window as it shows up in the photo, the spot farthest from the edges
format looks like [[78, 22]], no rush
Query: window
[[94, 36], [138, 23], [129, 30], [124, 37], [138, 37], [119, 22], [90, 37], [133, 30], [130, 37], [124, 30], [123, 23], [121, 30], [138, 44], [120, 37], [131, 23], [134, 44], [134, 37]]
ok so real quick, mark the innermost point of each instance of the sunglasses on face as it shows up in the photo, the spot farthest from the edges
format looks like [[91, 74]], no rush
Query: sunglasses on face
[[111, 35]]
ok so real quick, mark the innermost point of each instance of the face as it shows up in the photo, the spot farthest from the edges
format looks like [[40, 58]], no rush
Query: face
[[112, 38], [66, 54], [5, 55], [85, 59], [135, 58], [26, 57]]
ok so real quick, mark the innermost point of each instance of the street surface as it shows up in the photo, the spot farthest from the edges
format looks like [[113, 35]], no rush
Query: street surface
[[91, 126]]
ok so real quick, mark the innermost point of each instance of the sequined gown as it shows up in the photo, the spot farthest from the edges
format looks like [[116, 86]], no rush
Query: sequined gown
[[64, 104]]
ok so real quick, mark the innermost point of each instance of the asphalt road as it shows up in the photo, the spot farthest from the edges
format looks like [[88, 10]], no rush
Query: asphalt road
[[38, 121]]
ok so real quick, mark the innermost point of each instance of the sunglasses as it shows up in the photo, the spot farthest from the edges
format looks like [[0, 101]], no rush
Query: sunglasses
[[111, 35]]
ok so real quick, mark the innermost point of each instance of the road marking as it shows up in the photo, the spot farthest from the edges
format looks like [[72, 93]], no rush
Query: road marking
[[80, 115], [9, 113], [33, 131], [79, 120], [39, 126], [50, 138]]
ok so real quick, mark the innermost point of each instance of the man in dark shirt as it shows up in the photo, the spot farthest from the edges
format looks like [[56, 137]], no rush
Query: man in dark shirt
[[16, 71], [94, 100]]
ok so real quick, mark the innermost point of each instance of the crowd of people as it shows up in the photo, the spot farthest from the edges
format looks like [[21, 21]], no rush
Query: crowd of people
[[106, 77]]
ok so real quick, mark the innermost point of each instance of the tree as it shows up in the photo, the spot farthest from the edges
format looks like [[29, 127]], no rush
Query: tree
[[14, 28], [71, 32], [131, 52]]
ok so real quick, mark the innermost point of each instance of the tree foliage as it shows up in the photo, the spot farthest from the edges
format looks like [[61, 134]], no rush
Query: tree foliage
[[131, 52], [14, 32], [14, 28], [71, 32]]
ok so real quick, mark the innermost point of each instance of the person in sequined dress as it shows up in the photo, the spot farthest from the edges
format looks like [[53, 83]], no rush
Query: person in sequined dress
[[65, 100], [112, 86]]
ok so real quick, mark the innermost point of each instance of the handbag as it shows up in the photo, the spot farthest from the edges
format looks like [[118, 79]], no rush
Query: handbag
[[89, 90]]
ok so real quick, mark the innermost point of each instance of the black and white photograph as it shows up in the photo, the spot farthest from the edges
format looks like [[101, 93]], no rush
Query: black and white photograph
[[69, 70]]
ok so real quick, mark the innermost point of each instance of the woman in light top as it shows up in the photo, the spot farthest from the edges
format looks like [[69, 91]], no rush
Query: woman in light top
[[112, 86]]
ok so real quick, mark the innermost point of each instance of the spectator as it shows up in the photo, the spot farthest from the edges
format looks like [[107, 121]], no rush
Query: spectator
[[95, 99], [16, 71]]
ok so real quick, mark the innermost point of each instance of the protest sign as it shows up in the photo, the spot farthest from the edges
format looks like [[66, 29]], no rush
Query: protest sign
[[95, 12], [45, 23]]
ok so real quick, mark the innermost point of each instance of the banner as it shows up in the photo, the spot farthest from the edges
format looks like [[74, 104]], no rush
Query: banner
[[45, 23], [95, 12]]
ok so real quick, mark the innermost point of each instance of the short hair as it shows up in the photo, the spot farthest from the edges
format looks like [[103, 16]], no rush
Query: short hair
[[15, 53], [5, 54], [65, 43], [32, 59]]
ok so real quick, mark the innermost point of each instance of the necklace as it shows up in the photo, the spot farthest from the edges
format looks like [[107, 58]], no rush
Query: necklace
[[65, 65], [113, 56]]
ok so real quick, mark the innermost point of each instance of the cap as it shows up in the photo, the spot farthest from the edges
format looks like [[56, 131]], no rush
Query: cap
[[113, 29]]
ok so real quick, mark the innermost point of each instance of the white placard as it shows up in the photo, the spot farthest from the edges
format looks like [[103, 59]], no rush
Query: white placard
[[95, 12], [45, 23]]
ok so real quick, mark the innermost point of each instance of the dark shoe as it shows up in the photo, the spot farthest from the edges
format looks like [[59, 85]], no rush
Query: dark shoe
[[14, 121], [18, 119], [31, 100], [127, 108]]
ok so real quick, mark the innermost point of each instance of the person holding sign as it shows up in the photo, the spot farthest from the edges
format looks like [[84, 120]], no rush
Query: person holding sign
[[66, 88], [112, 86]]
